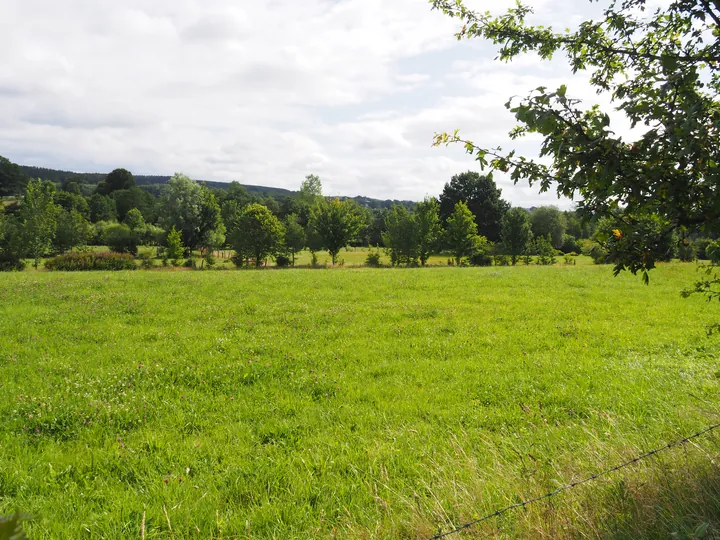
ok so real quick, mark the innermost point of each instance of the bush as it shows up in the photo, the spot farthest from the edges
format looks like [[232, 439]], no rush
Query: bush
[[570, 259], [77, 262], [282, 261], [480, 258], [210, 260], [570, 244], [373, 259], [146, 262], [11, 265], [190, 263], [121, 239], [526, 259], [700, 245], [599, 254], [546, 252], [501, 260], [686, 251], [712, 251], [314, 260]]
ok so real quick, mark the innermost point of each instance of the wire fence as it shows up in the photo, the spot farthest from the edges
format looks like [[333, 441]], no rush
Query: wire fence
[[572, 485]]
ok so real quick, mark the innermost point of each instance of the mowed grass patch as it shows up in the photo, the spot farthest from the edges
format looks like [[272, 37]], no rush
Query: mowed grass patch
[[356, 403]]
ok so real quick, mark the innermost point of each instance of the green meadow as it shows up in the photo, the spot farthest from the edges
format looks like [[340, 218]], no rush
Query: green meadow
[[356, 403]]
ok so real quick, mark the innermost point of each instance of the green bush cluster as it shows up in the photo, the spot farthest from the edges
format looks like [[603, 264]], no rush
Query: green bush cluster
[[77, 262]]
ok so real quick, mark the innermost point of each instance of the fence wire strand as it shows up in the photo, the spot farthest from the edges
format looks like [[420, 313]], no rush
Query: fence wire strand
[[572, 485]]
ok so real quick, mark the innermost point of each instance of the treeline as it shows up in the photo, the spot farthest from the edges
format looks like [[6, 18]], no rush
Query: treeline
[[470, 222]]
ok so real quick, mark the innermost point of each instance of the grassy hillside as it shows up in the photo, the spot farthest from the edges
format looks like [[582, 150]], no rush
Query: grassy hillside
[[355, 403]]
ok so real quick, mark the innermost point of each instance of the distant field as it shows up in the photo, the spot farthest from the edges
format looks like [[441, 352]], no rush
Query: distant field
[[358, 403], [352, 257]]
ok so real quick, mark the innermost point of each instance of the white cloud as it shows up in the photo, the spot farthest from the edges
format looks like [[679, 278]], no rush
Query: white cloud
[[260, 92]]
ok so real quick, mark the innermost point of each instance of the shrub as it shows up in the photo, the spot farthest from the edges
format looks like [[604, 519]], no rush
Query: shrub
[[121, 239], [76, 262], [570, 244], [570, 259], [700, 245], [282, 261], [210, 260], [599, 254], [190, 263], [526, 258], [479, 258], [501, 260], [373, 259], [146, 261], [686, 251], [546, 252], [9, 264], [314, 260], [175, 247], [712, 251]]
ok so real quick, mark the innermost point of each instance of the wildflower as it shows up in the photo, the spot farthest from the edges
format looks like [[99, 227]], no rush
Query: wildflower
[[166, 480]]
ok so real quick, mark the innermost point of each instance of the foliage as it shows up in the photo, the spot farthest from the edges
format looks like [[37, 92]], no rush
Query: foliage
[[516, 233], [146, 261], [174, 248], [72, 230], [294, 240], [127, 199], [12, 178], [461, 232], [257, 233], [310, 189], [482, 197], [644, 238], [402, 238], [283, 261], [549, 221], [76, 262], [545, 250], [700, 246], [661, 71], [570, 244], [429, 229], [193, 210], [38, 214], [117, 180], [120, 239], [134, 220], [72, 201], [373, 259], [102, 208], [11, 248], [712, 251], [209, 260], [336, 223], [686, 251]]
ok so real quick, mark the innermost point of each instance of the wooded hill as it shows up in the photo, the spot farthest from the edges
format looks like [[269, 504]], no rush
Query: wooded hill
[[154, 184]]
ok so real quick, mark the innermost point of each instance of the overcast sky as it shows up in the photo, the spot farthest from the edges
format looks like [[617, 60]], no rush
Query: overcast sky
[[264, 92]]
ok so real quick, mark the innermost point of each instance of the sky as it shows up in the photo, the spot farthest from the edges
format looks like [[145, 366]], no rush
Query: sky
[[267, 92]]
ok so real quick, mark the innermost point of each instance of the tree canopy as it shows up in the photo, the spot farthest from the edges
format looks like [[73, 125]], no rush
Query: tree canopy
[[336, 222], [482, 197], [662, 70]]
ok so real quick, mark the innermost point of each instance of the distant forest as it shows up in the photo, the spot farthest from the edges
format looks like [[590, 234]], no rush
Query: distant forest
[[153, 184]]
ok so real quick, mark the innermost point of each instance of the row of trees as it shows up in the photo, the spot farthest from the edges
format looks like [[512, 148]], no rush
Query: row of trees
[[469, 220]]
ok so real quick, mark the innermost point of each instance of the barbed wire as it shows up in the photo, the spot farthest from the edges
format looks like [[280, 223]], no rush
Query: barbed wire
[[572, 485]]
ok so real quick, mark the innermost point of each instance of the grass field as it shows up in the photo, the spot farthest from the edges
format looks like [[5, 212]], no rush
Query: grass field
[[356, 403]]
